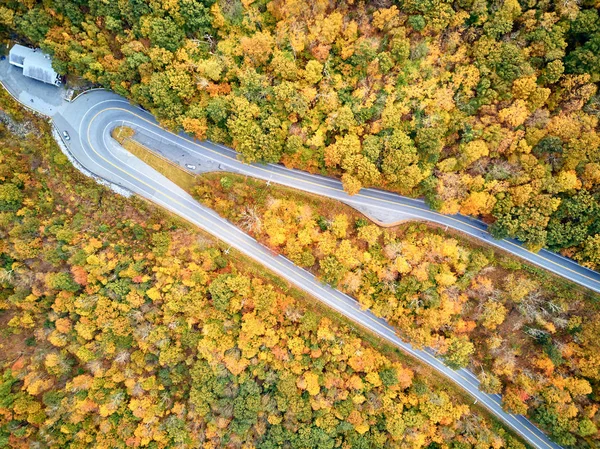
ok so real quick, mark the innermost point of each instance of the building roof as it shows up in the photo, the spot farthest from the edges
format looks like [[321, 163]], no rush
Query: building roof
[[18, 53], [35, 63]]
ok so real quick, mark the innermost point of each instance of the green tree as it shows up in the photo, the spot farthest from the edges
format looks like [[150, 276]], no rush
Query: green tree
[[165, 33], [460, 352], [11, 197], [221, 292], [196, 17], [63, 281], [34, 24], [332, 270]]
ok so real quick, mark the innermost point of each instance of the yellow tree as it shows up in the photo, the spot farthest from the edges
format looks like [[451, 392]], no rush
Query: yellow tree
[[195, 127], [258, 48], [516, 114], [370, 234], [351, 184]]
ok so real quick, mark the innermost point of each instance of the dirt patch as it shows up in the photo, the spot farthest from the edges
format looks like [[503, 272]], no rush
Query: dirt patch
[[12, 345], [20, 129]]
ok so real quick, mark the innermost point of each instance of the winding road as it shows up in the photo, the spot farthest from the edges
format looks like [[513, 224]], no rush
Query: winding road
[[89, 121], [97, 113]]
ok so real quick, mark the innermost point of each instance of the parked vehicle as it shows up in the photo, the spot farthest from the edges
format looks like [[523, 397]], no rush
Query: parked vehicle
[[190, 166], [66, 135]]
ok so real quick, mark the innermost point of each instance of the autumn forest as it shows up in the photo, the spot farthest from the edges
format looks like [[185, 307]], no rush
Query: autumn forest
[[488, 108], [121, 326], [527, 336]]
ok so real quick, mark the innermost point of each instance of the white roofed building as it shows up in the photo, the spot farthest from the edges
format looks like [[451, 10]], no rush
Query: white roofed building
[[35, 64]]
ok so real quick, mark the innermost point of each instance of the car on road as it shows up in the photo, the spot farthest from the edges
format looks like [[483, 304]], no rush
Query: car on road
[[190, 166], [66, 135]]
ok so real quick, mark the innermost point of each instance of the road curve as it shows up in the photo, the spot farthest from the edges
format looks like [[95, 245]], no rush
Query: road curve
[[384, 207], [89, 121]]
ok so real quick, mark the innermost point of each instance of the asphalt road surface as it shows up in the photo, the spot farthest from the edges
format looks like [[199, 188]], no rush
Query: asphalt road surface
[[99, 112], [89, 121]]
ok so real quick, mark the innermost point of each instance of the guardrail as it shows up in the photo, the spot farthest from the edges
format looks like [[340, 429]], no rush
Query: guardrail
[[85, 92], [80, 167]]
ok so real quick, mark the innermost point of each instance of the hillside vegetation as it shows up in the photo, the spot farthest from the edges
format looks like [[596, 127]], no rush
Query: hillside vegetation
[[121, 327], [488, 108], [528, 336]]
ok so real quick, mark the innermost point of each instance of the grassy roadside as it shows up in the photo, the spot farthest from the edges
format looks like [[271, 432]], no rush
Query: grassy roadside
[[184, 179]]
